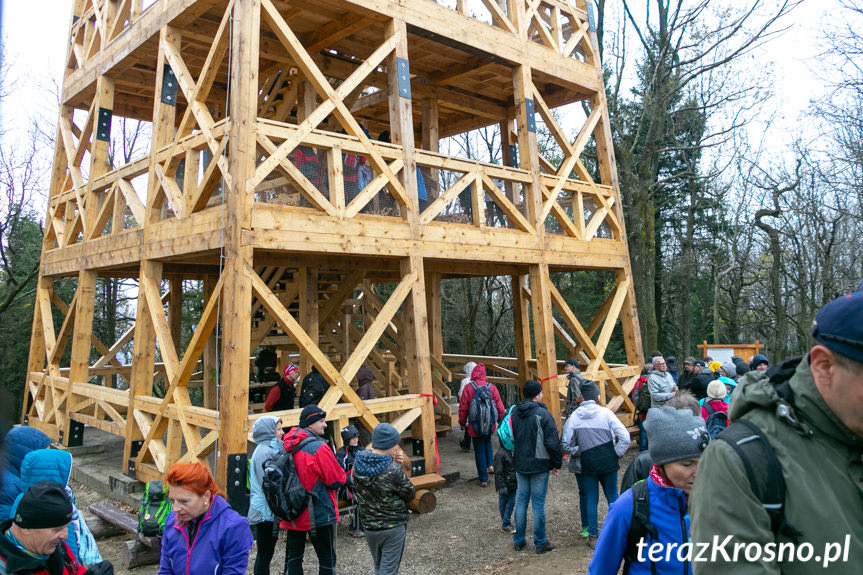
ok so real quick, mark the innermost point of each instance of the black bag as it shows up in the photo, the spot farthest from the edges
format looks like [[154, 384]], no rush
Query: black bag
[[644, 398], [313, 388], [482, 414], [285, 494]]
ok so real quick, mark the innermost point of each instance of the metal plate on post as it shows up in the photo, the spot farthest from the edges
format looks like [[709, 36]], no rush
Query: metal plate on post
[[591, 17], [136, 448], [130, 467], [531, 115], [169, 87], [513, 155], [76, 434], [404, 78], [418, 467], [418, 447], [103, 127], [236, 487]]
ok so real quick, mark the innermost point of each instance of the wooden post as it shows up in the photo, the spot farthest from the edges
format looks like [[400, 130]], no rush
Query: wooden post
[[435, 314], [309, 317], [431, 142], [211, 355], [79, 362], [237, 291], [521, 317]]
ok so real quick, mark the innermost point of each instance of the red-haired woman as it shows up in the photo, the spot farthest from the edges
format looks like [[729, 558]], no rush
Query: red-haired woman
[[202, 534]]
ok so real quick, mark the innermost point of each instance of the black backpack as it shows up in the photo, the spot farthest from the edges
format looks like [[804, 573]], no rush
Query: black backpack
[[644, 398], [313, 388], [285, 494], [717, 421], [482, 414], [154, 510]]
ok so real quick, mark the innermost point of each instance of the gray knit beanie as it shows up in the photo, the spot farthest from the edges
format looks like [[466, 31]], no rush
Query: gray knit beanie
[[675, 434], [385, 436], [730, 369]]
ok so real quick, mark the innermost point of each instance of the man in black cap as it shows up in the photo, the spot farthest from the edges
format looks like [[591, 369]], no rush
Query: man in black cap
[[573, 389], [33, 541], [322, 476], [811, 411], [537, 451]]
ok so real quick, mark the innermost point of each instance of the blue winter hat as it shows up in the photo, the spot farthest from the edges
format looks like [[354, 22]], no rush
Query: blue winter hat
[[839, 326], [758, 360]]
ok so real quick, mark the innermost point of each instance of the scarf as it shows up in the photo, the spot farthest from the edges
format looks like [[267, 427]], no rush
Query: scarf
[[661, 480], [23, 549]]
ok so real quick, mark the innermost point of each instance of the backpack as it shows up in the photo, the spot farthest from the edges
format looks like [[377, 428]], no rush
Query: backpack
[[482, 414], [154, 510], [313, 388], [644, 399], [283, 491], [717, 421], [573, 390], [504, 431]]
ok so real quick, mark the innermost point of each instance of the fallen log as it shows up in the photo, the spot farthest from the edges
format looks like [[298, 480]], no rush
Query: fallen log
[[101, 529], [424, 502], [123, 520]]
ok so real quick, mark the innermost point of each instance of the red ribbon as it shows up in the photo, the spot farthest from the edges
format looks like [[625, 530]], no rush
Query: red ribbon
[[436, 452]]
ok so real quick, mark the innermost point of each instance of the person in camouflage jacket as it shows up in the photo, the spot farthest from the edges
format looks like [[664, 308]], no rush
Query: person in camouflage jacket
[[383, 490]]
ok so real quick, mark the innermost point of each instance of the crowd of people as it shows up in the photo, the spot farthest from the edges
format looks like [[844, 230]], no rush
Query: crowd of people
[[742, 467]]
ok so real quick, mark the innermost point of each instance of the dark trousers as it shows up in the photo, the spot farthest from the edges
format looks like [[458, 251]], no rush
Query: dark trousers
[[324, 542], [266, 539], [506, 505]]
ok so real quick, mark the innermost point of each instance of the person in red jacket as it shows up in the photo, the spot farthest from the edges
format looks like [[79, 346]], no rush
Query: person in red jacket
[[321, 475], [481, 445], [34, 540], [282, 394]]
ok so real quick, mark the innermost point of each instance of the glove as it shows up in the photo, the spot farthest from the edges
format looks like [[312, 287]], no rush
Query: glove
[[103, 568]]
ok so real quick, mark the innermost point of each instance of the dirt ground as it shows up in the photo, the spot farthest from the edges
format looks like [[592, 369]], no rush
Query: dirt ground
[[462, 535]]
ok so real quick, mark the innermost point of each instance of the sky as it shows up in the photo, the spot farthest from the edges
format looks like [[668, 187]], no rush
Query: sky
[[35, 32]]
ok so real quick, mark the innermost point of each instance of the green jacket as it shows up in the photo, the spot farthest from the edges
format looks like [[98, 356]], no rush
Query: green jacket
[[823, 471], [383, 491]]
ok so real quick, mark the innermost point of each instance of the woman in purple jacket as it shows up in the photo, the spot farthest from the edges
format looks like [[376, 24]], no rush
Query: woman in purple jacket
[[202, 533]]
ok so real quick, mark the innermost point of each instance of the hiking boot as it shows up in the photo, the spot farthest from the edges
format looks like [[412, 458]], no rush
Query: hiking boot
[[483, 483], [356, 533], [508, 529], [585, 533], [519, 546], [545, 548], [591, 541]]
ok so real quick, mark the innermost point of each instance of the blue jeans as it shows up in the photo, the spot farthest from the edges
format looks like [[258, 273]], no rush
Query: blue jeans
[[531, 488], [483, 456], [642, 435], [505, 503], [588, 497]]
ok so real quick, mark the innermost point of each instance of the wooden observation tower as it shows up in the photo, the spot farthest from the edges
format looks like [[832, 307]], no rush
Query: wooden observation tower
[[294, 195]]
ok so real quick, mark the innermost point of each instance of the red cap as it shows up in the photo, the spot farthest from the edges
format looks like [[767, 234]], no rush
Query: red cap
[[289, 368]]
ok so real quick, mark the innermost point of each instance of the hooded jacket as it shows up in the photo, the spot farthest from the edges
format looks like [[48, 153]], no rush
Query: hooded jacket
[[268, 447], [479, 378], [383, 490], [667, 514], [821, 464], [12, 560], [537, 445], [595, 438], [16, 445], [220, 546], [468, 370], [320, 474], [716, 404], [364, 383]]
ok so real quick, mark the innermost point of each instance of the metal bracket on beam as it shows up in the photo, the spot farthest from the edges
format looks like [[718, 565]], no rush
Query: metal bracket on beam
[[236, 487], [591, 16], [513, 155], [103, 127], [404, 78], [418, 447], [169, 87], [530, 113]]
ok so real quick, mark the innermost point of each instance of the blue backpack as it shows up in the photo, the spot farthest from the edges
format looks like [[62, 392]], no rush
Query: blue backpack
[[716, 421]]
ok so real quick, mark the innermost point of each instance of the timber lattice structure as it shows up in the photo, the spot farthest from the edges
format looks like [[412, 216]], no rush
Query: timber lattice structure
[[270, 186]]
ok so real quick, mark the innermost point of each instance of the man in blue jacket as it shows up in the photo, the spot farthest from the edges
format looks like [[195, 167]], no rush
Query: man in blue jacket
[[537, 451]]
